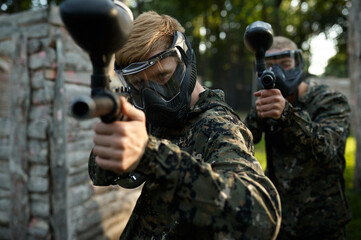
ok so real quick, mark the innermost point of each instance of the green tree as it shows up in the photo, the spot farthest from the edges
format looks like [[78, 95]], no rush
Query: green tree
[[337, 65]]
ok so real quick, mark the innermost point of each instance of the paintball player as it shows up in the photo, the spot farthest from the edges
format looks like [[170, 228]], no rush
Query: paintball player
[[305, 144], [201, 178]]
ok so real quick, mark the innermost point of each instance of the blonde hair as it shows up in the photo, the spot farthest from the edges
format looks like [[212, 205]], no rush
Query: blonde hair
[[150, 32], [280, 42]]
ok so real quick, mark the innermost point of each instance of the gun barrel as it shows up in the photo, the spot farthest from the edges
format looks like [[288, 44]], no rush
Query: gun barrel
[[268, 79], [86, 107], [268, 83]]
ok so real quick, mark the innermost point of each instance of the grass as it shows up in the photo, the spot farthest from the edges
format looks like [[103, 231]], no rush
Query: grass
[[353, 231], [353, 197]]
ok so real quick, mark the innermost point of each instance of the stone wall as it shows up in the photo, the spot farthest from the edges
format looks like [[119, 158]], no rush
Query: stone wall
[[45, 191]]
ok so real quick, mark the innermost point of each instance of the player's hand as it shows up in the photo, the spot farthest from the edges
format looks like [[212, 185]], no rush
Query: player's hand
[[120, 145], [270, 103]]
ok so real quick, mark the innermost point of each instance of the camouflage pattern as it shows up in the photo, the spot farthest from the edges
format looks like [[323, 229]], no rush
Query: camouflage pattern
[[305, 161], [203, 181]]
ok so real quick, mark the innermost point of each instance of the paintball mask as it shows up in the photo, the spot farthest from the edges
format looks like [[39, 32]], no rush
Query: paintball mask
[[162, 85], [287, 77]]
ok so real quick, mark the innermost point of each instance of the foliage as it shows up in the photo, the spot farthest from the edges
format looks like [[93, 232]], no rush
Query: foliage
[[337, 65], [260, 153], [350, 162], [353, 197], [353, 228]]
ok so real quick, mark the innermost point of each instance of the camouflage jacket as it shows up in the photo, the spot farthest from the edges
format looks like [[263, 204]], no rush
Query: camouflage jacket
[[305, 161], [203, 181]]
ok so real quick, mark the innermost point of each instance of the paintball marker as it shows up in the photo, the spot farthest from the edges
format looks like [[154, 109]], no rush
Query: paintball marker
[[258, 38], [100, 28]]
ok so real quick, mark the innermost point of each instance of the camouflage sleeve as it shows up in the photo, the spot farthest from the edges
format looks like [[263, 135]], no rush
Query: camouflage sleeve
[[326, 131], [224, 189], [254, 124]]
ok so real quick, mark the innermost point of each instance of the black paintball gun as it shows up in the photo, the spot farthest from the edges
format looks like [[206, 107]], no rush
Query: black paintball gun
[[100, 28], [258, 38]]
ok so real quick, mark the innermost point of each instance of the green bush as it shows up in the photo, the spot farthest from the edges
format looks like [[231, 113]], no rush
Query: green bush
[[260, 153], [353, 197]]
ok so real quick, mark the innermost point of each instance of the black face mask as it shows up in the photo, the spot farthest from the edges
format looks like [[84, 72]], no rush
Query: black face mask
[[173, 113], [287, 81], [165, 104]]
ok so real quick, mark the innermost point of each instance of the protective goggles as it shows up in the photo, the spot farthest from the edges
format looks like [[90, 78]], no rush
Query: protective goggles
[[163, 73], [296, 55]]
